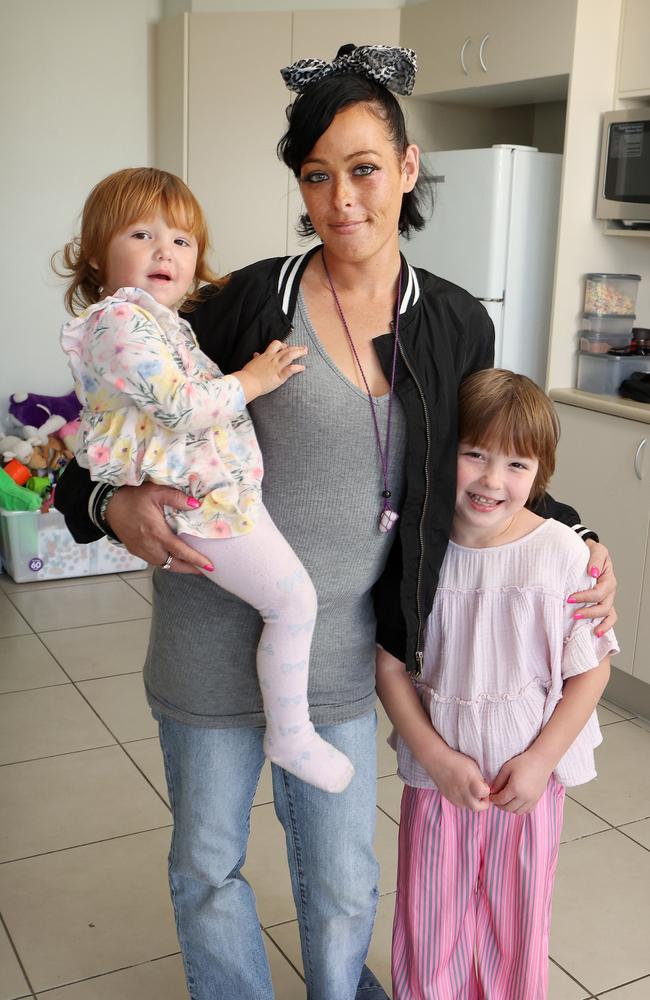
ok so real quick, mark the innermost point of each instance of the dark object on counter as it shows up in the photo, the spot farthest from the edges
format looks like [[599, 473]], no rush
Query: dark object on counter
[[640, 340], [636, 387], [639, 345]]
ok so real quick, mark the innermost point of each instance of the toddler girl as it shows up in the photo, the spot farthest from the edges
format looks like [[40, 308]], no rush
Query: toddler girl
[[501, 719], [157, 409]]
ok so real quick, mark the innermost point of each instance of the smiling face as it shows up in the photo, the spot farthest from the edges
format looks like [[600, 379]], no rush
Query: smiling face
[[352, 183], [492, 488], [152, 255]]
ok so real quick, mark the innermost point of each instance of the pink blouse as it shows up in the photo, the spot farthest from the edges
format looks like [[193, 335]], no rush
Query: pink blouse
[[500, 642]]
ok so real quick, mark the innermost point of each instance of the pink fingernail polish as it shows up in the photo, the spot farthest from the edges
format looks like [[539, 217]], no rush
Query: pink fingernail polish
[[193, 502], [577, 616], [599, 635], [595, 572], [209, 567], [571, 600]]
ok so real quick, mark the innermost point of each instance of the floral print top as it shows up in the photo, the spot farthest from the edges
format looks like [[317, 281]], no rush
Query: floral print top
[[156, 409]]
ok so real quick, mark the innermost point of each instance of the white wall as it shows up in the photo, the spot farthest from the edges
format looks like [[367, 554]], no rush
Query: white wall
[[75, 80]]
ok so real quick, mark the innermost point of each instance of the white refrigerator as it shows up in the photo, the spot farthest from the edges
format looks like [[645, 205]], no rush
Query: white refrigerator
[[493, 231]]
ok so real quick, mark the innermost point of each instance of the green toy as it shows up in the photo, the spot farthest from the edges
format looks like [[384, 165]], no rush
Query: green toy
[[39, 485], [13, 497]]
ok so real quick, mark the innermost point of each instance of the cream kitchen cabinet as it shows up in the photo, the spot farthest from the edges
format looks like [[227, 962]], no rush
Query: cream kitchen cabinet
[[474, 43], [634, 60], [220, 111], [603, 469]]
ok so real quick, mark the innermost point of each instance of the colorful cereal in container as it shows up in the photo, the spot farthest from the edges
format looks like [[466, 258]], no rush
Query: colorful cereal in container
[[607, 294]]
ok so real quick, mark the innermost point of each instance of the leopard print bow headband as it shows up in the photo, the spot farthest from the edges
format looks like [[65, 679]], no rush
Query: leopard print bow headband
[[393, 67]]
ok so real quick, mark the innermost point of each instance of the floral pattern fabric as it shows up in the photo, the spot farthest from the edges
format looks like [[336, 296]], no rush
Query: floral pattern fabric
[[156, 409]]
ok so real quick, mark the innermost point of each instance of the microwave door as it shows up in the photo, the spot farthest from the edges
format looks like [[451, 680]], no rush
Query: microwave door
[[627, 176], [624, 181]]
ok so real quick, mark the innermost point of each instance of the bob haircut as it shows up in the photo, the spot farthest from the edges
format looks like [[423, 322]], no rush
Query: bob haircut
[[113, 204], [312, 113], [507, 412]]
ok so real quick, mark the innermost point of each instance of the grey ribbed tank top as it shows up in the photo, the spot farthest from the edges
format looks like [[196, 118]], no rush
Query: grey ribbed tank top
[[322, 486]]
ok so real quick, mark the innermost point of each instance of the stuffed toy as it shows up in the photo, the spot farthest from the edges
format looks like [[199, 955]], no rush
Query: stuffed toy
[[68, 433], [41, 434], [15, 447], [33, 410]]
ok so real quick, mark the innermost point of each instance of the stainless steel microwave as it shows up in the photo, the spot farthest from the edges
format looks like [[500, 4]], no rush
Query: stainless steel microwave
[[624, 177]]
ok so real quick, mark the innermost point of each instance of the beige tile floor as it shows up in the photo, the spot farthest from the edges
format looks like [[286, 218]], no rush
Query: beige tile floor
[[84, 824]]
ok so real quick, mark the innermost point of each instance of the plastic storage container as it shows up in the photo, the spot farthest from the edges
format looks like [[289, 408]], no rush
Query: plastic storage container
[[38, 546], [594, 323], [601, 343], [603, 373], [611, 294]]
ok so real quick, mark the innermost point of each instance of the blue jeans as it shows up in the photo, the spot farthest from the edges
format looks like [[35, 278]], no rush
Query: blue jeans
[[212, 776]]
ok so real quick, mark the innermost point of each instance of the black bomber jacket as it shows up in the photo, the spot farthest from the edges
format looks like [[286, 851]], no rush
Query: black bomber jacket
[[444, 335]]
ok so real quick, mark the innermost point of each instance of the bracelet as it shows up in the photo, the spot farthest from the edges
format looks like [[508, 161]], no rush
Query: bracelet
[[101, 506]]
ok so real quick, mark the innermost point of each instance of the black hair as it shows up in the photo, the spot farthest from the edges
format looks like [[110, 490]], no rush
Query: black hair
[[312, 113]]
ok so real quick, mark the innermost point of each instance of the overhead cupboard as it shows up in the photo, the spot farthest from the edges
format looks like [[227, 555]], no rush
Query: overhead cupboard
[[474, 43], [634, 64]]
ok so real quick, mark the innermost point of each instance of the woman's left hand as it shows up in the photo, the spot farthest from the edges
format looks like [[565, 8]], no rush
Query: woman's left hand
[[599, 601]]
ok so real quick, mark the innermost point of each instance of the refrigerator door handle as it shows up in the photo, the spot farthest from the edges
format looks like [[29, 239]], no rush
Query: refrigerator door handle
[[462, 55], [480, 53]]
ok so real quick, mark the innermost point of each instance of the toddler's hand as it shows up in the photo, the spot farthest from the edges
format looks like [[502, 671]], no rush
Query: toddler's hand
[[520, 783], [459, 779], [267, 371]]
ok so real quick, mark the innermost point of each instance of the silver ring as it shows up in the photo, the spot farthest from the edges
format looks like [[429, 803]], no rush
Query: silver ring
[[168, 562]]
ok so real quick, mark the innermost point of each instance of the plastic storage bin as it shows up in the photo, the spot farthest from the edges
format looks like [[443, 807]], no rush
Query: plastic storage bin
[[38, 546], [611, 294], [601, 343], [594, 323], [603, 373]]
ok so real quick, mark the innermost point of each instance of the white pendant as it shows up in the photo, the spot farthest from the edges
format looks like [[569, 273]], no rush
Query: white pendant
[[387, 520]]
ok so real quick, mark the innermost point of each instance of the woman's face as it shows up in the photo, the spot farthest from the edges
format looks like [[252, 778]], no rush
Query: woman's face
[[352, 184]]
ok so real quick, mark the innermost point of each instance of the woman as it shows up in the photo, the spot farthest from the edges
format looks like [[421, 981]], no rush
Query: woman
[[336, 461]]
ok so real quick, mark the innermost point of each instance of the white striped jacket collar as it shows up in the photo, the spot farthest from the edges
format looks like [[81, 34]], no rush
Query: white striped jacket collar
[[293, 267]]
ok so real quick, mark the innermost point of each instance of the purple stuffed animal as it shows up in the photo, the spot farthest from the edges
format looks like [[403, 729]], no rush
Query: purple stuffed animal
[[33, 410]]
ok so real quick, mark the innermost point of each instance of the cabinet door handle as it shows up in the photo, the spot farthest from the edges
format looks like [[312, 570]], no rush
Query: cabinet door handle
[[480, 53], [637, 460], [462, 56]]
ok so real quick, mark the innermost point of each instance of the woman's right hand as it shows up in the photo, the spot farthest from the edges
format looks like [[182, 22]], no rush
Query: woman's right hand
[[135, 515], [268, 371], [459, 779]]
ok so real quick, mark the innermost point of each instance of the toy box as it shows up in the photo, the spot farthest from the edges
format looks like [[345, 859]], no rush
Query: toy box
[[37, 546]]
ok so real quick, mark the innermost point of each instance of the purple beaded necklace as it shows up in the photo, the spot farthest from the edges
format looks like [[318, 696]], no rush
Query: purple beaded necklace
[[388, 516]]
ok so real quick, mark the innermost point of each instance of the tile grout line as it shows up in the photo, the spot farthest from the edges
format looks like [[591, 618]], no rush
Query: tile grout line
[[582, 986], [388, 815], [283, 953], [627, 836], [3, 923], [601, 818], [118, 742], [89, 843], [51, 756], [111, 972], [630, 982], [74, 628]]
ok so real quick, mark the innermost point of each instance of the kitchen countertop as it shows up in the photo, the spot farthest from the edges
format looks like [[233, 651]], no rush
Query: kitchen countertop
[[614, 405]]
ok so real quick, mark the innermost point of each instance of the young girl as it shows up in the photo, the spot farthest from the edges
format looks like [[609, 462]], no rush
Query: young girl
[[501, 719], [157, 409]]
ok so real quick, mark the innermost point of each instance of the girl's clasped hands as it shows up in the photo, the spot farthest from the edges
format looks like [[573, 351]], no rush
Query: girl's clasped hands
[[517, 788]]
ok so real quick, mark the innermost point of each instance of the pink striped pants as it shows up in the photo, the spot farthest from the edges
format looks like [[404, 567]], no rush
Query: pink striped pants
[[473, 908]]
